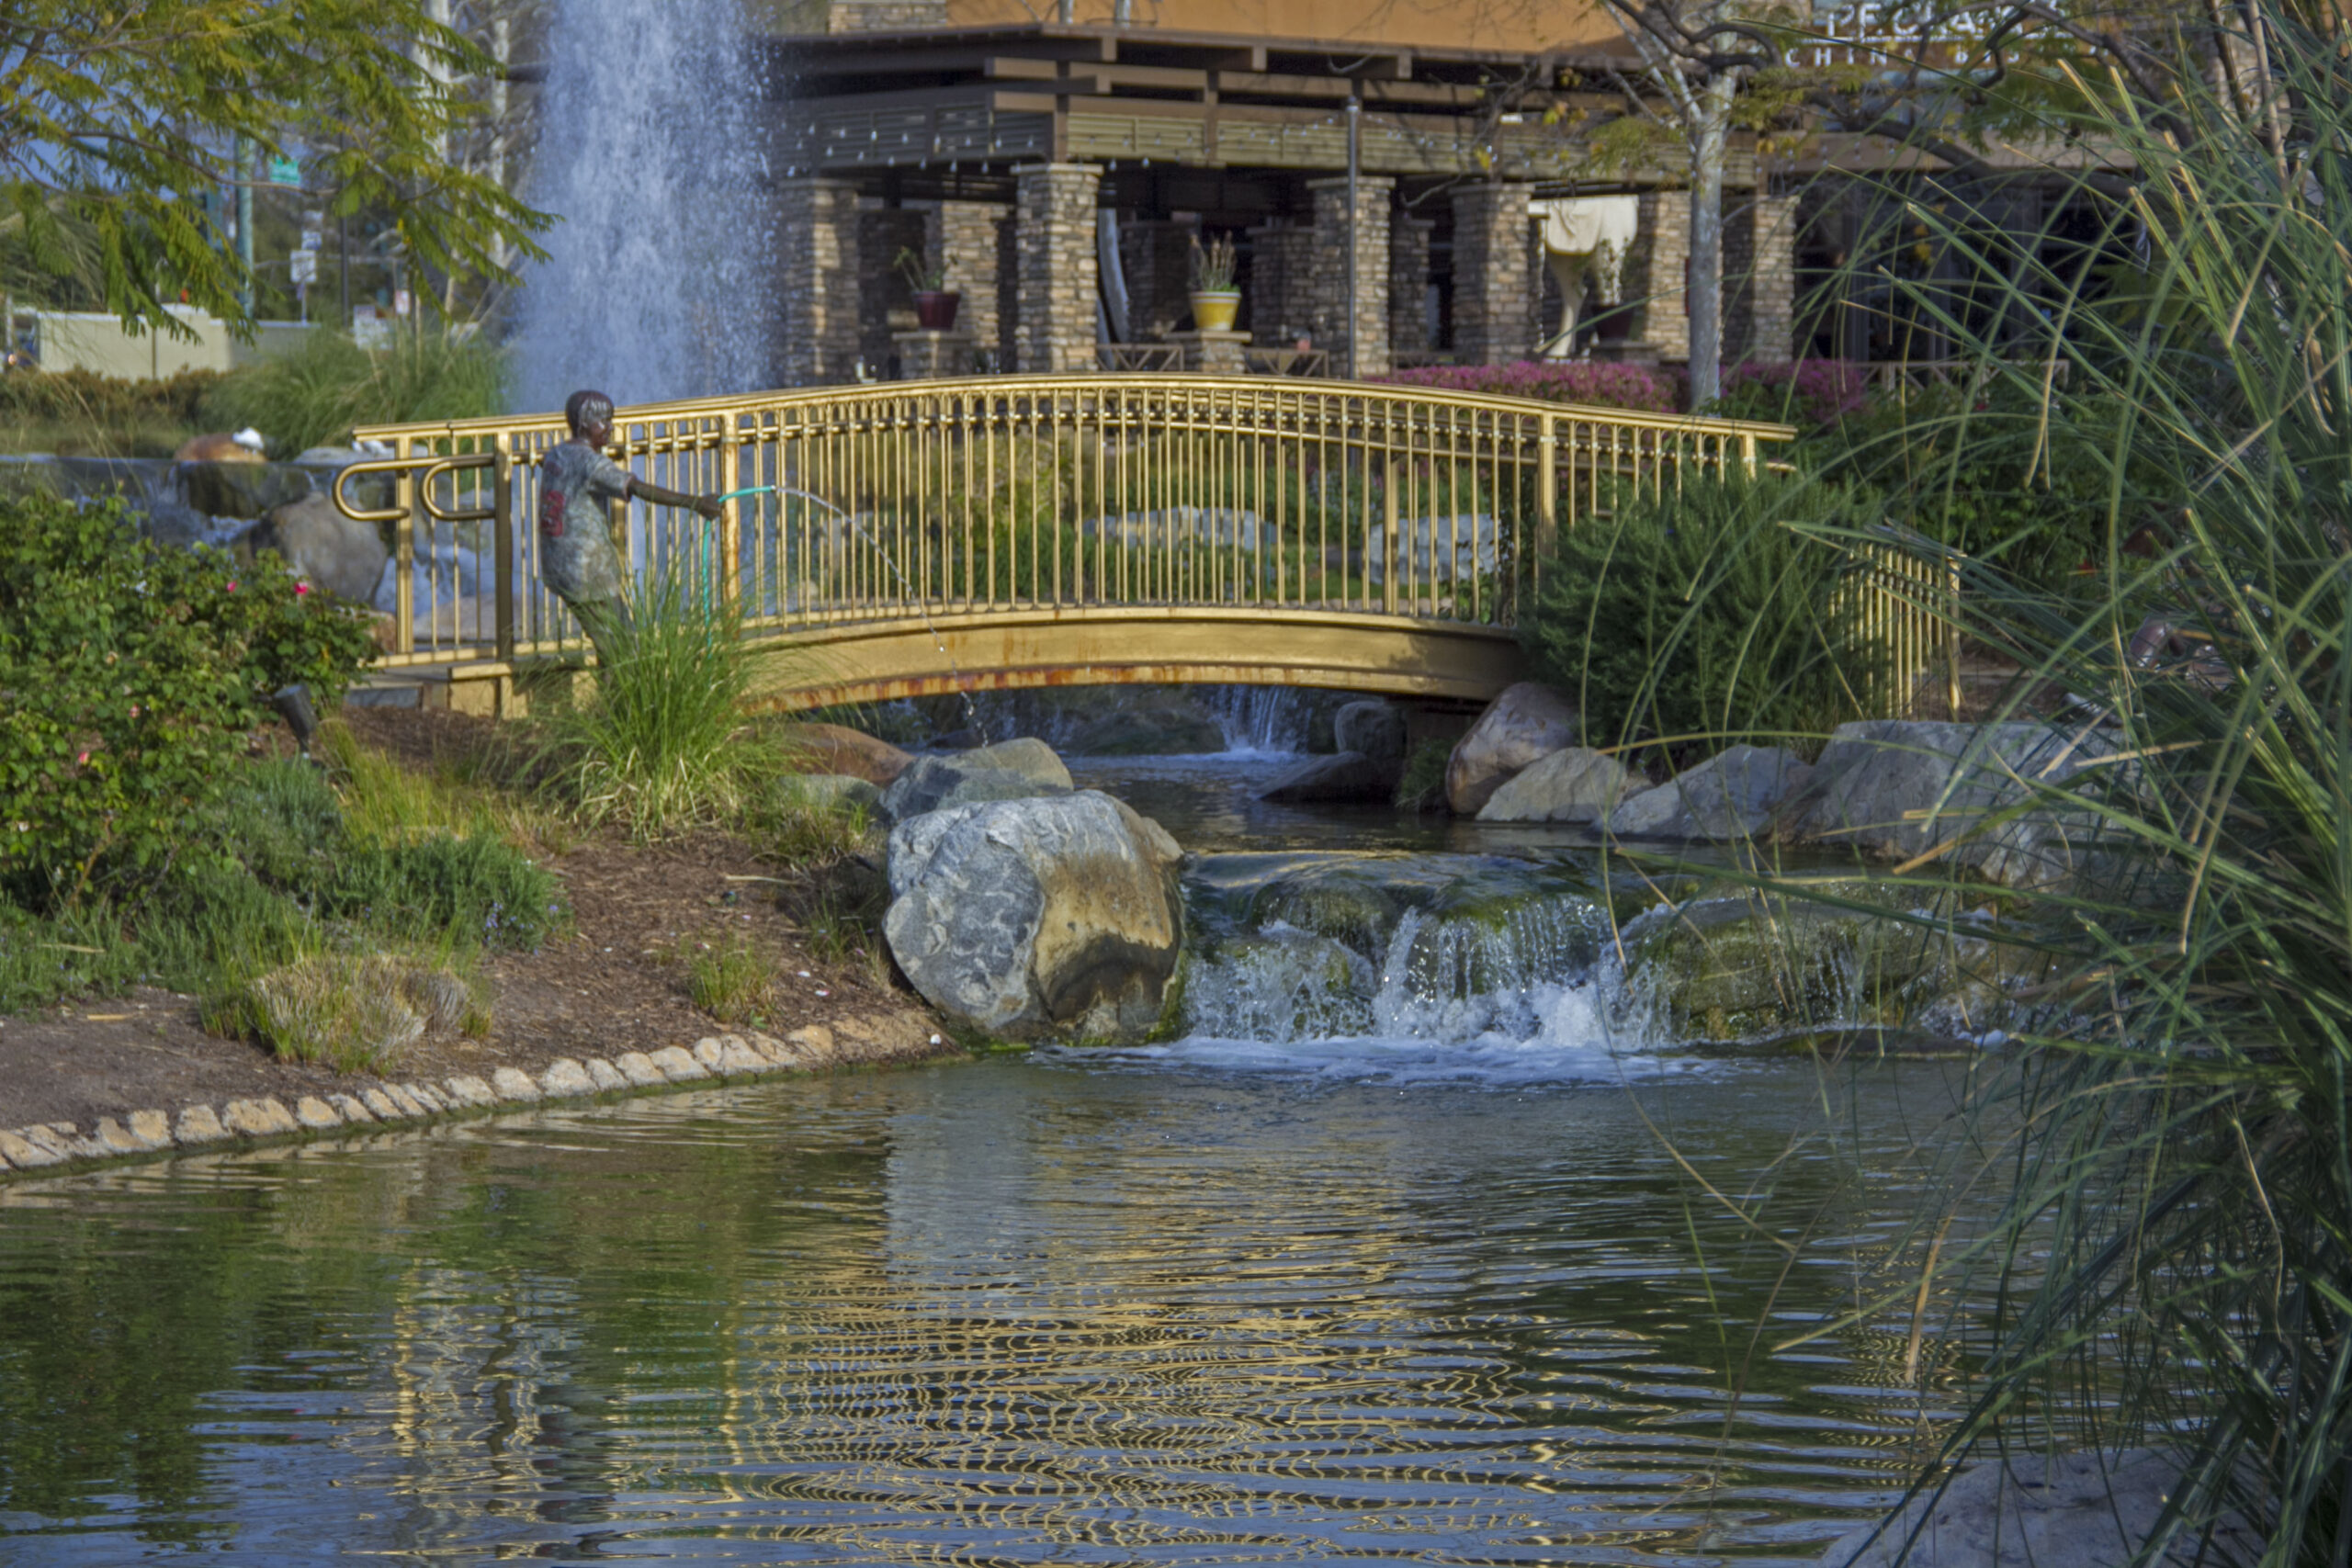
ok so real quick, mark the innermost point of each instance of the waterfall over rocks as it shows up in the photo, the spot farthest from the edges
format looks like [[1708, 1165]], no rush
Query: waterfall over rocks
[[649, 154]]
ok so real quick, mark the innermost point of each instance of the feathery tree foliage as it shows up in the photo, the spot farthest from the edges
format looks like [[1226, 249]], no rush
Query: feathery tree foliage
[[119, 118]]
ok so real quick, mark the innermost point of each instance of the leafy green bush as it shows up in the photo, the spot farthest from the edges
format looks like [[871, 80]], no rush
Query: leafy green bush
[[313, 396], [128, 674], [1698, 613]]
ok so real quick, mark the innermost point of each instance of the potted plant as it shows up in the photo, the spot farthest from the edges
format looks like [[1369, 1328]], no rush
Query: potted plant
[[1214, 298], [934, 301]]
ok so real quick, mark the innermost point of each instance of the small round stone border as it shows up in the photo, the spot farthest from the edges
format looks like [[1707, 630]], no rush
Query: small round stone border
[[46, 1147]]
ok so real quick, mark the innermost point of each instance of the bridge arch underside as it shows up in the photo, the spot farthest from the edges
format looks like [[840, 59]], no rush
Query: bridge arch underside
[[880, 660]]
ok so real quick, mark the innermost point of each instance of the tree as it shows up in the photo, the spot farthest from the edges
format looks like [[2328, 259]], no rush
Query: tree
[[121, 119], [1699, 56]]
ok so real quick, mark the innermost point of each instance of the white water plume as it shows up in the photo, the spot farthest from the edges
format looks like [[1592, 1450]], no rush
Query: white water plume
[[1266, 721], [1528, 995], [648, 155]]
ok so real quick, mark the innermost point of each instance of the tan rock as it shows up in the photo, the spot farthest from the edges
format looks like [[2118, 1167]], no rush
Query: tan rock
[[110, 1136], [218, 446], [379, 1101], [467, 1089], [676, 1066], [813, 1046], [350, 1110], [1575, 783], [512, 1083], [150, 1129], [424, 1094], [564, 1077], [22, 1152], [639, 1068], [258, 1118], [197, 1125], [836, 749], [316, 1113], [706, 1051], [1526, 722], [604, 1077]]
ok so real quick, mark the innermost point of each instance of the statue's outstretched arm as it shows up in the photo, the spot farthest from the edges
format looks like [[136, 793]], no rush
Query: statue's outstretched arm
[[708, 505]]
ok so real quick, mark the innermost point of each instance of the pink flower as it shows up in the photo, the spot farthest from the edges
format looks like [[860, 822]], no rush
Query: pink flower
[[82, 758], [299, 589], [233, 585]]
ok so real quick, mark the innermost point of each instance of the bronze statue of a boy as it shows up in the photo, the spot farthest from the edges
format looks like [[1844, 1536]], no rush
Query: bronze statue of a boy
[[576, 555]]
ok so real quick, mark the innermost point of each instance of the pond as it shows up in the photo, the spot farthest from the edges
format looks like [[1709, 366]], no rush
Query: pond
[[1439, 1294]]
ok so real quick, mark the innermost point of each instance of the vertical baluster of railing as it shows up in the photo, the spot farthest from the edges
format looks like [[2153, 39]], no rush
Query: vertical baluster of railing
[[1548, 511], [501, 524], [730, 521], [405, 496]]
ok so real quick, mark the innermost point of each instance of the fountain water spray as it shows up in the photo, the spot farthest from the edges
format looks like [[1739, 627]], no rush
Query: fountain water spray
[[652, 288]]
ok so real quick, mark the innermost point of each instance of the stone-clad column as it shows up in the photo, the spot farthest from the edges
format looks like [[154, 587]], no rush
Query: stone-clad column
[[1054, 235], [1408, 285], [1281, 264], [1759, 278], [817, 324], [1494, 296], [965, 239], [1369, 331], [1658, 271]]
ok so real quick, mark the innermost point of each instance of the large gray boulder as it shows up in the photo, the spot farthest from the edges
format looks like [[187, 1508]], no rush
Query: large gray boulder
[[1526, 722], [1730, 795], [939, 784], [1029, 919], [2082, 1510], [1575, 783], [318, 542], [1895, 788], [1345, 778]]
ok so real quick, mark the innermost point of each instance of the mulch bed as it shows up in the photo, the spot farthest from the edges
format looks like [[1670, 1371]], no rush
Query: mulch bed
[[617, 983]]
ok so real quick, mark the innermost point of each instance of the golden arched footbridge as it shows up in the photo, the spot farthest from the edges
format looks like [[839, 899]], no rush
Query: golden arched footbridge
[[914, 537]]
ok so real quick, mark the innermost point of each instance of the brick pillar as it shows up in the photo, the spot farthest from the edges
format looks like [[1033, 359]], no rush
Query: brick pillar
[[1369, 331], [1408, 285], [1494, 296], [967, 239], [1655, 270], [1759, 278], [886, 300], [817, 326], [1282, 261], [1157, 254], [1055, 234]]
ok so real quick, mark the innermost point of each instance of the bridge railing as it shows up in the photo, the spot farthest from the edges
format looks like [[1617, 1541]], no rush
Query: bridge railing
[[1008, 493]]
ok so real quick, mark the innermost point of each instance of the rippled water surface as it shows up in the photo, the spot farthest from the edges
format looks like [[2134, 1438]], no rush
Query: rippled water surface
[[1107, 1307]]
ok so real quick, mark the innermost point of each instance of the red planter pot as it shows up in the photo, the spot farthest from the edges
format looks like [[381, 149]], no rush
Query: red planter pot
[[935, 309]]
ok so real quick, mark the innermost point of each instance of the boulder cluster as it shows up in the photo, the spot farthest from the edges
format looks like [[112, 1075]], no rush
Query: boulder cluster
[[1021, 906]]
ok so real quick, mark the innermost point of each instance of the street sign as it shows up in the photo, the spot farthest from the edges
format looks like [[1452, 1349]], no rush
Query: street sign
[[306, 267], [285, 172]]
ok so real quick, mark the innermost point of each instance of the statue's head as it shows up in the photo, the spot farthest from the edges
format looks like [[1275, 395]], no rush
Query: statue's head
[[590, 414]]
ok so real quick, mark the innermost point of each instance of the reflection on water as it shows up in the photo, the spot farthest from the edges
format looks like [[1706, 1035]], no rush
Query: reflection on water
[[1077, 1309]]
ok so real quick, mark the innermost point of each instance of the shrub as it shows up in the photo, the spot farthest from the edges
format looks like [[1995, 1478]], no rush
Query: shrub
[[1811, 392], [355, 1012], [313, 396], [1700, 612], [664, 745], [128, 674], [1591, 382]]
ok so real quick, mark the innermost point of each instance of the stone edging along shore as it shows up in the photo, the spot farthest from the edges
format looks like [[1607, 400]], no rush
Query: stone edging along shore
[[872, 1040]]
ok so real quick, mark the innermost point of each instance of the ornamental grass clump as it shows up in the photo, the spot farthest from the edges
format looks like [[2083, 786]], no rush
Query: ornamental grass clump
[[664, 745], [2172, 1260]]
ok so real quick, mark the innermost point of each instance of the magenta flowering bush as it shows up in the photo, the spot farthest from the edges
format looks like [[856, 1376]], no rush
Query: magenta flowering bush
[[1643, 387], [1819, 392]]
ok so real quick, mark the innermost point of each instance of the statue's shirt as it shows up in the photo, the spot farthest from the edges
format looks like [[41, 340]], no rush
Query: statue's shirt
[[576, 555]]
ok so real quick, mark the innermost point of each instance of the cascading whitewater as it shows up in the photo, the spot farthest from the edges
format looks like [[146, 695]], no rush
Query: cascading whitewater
[[1264, 720], [647, 152]]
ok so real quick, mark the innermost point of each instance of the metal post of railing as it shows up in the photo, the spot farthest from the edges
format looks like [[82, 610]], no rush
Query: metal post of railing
[[406, 496], [730, 521], [503, 539], [1547, 502], [1388, 541]]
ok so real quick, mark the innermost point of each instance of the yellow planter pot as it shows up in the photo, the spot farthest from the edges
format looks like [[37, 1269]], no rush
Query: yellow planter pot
[[1213, 310]]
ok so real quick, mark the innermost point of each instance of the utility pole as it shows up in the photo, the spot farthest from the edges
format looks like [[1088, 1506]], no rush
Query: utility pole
[[244, 155]]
